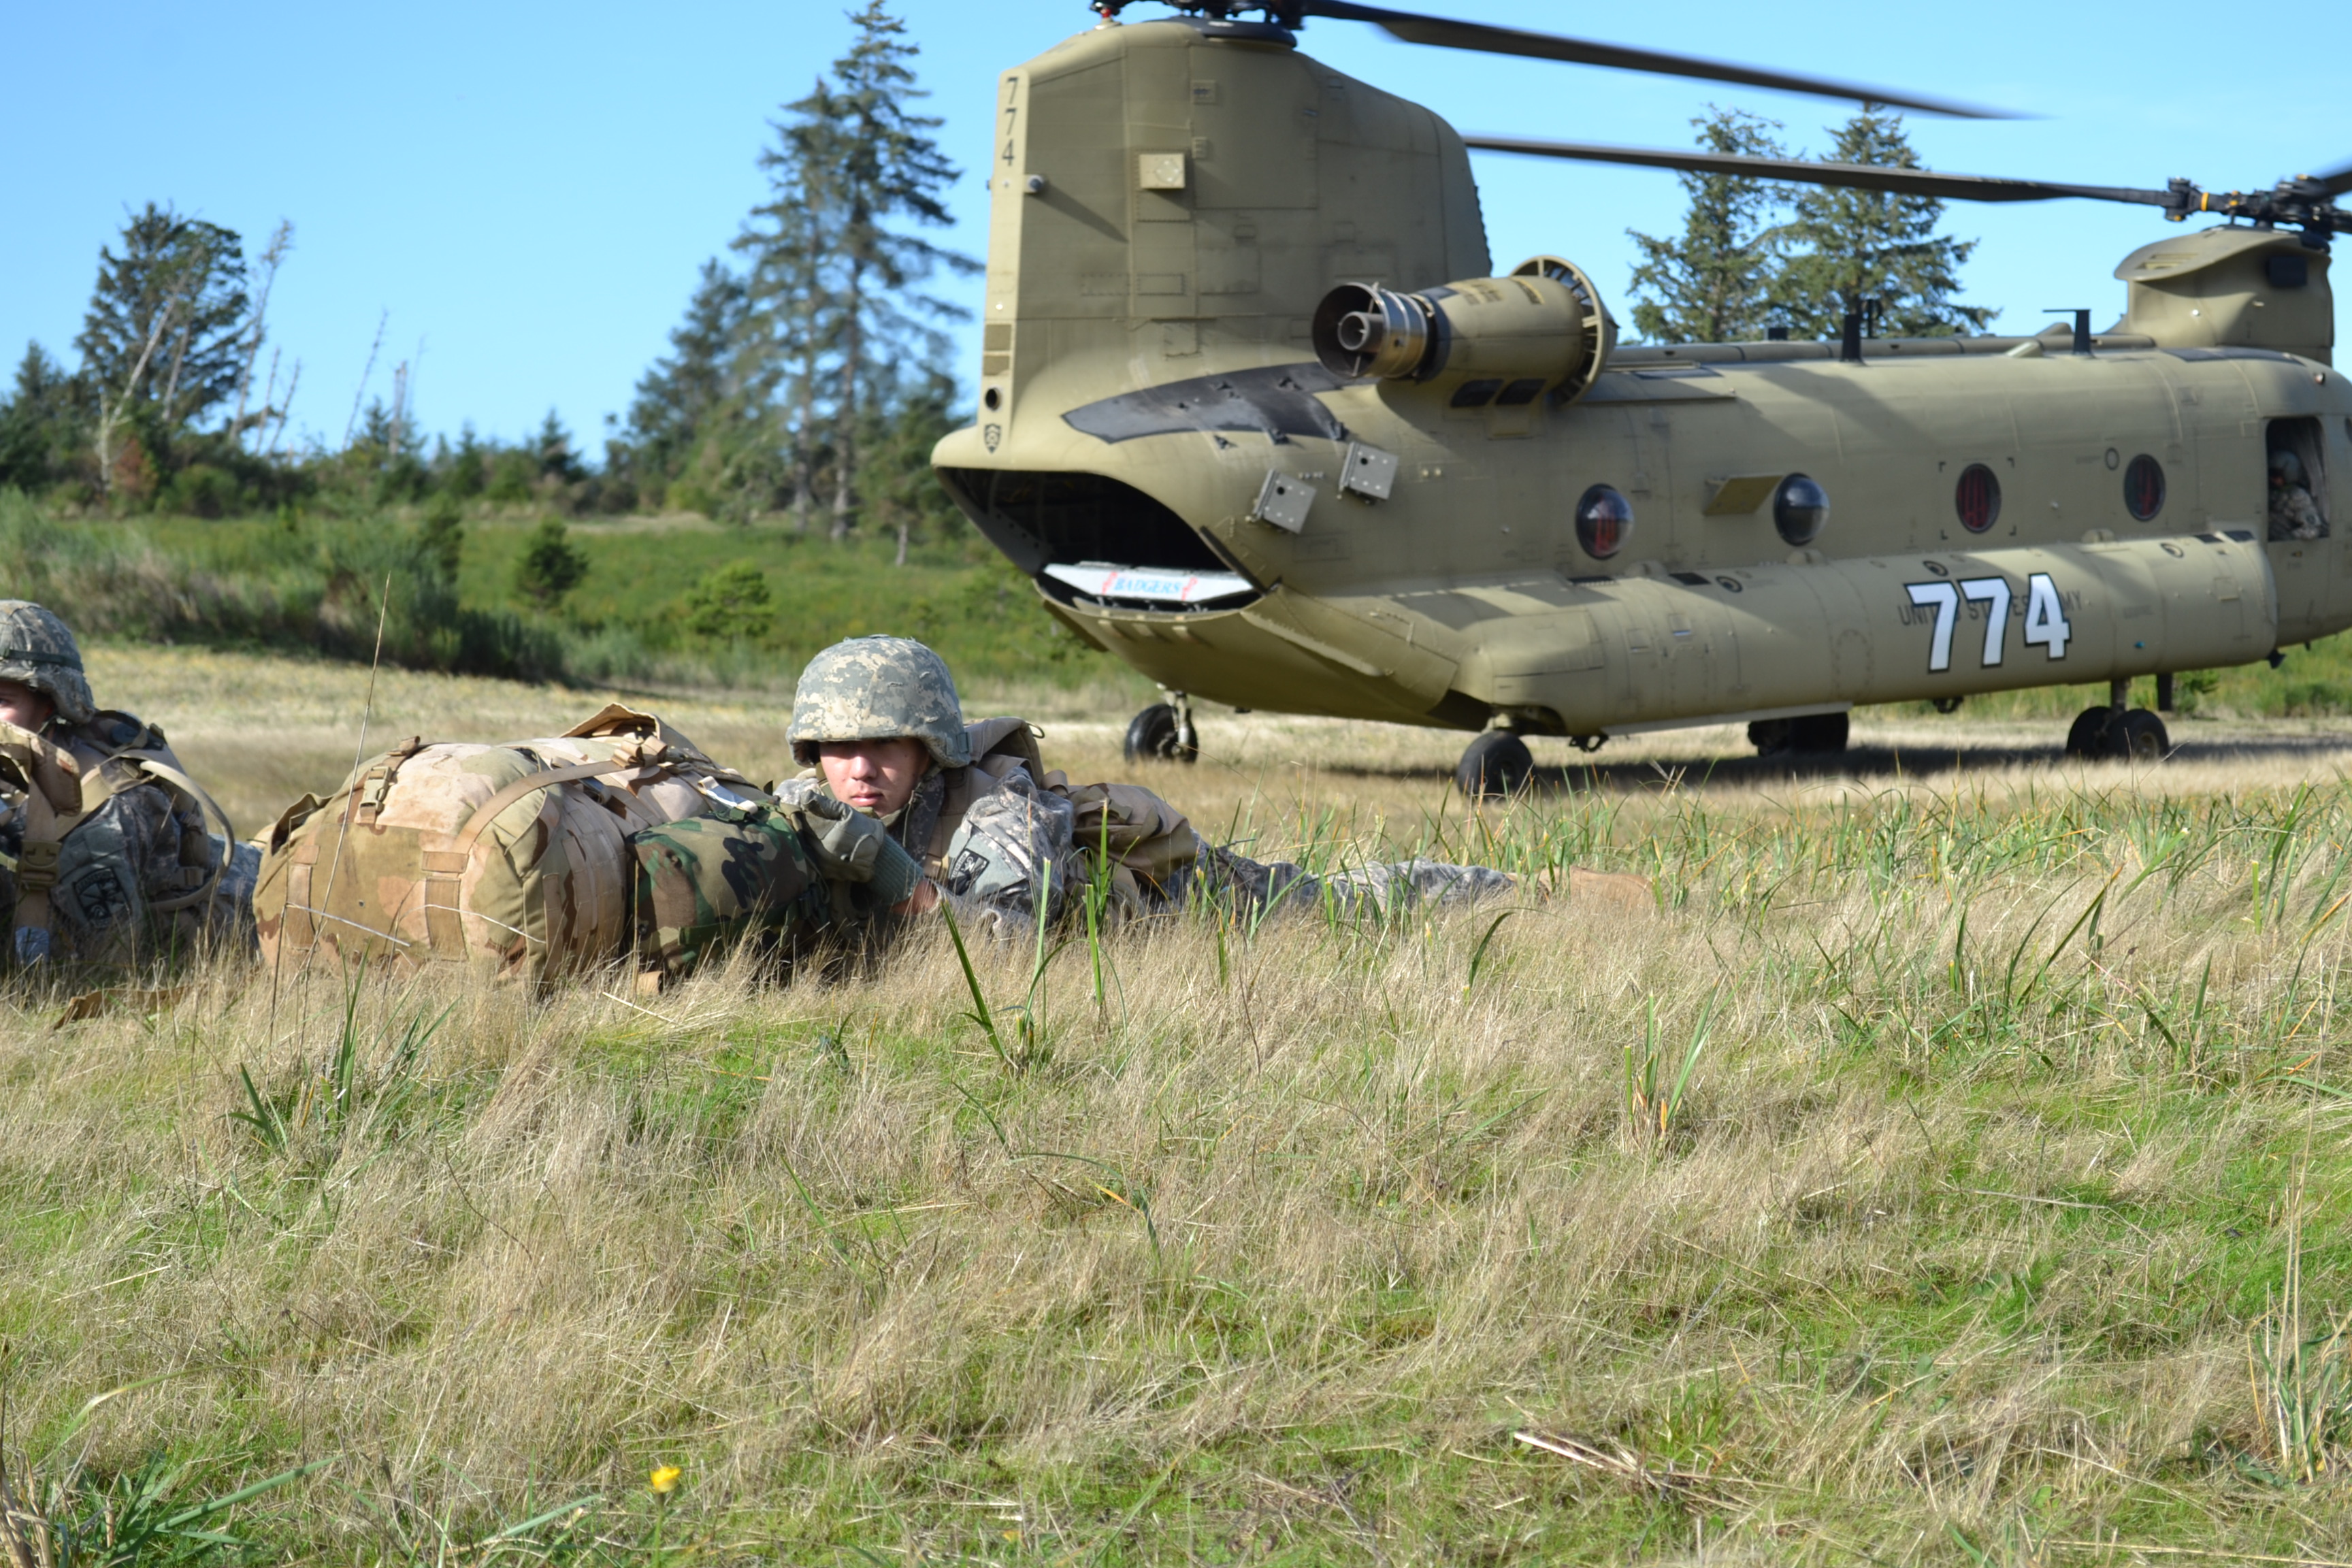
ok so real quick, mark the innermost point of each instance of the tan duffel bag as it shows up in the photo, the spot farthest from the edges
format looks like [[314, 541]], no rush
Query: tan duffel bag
[[512, 860]]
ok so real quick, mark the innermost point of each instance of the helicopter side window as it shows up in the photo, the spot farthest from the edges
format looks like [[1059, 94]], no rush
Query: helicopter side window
[[1976, 498], [2296, 469], [2144, 488], [1603, 519], [1799, 509]]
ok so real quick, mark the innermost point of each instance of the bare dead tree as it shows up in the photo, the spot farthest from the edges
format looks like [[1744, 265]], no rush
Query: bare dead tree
[[399, 410], [285, 409], [110, 410], [361, 395], [282, 244]]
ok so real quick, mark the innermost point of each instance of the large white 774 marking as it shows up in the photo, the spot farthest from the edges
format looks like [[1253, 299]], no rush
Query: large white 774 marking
[[2045, 615]]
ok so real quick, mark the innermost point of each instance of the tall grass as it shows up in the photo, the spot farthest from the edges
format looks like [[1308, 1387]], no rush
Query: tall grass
[[320, 586], [316, 583], [1981, 1201]]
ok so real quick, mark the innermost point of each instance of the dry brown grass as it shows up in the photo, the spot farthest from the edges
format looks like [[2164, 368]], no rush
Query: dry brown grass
[[1955, 1251]]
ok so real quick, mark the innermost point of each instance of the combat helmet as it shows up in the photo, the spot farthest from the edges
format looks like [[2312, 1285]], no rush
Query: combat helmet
[[2286, 467], [878, 688], [38, 650]]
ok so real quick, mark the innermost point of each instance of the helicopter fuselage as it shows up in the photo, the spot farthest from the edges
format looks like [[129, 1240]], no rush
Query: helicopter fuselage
[[1161, 446]]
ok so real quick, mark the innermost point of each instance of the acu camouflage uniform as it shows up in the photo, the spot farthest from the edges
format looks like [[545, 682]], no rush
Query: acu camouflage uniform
[[2294, 513], [1006, 840], [96, 814]]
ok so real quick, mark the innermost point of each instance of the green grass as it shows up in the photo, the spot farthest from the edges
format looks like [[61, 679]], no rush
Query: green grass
[[1968, 1238], [626, 616]]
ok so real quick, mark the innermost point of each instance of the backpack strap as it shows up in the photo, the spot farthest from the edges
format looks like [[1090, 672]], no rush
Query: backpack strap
[[375, 782], [54, 793], [646, 762]]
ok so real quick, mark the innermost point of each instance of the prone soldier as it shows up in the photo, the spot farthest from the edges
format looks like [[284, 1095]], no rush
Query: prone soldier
[[878, 727], [106, 859]]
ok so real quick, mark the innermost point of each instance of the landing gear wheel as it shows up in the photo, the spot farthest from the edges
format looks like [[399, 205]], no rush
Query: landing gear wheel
[[2087, 738], [1497, 763], [1155, 735], [1822, 734], [2144, 737], [1818, 734]]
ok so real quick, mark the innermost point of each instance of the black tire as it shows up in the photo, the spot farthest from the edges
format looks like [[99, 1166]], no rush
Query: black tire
[[2087, 737], [1496, 764], [2144, 737], [1821, 734], [1768, 736], [1154, 736]]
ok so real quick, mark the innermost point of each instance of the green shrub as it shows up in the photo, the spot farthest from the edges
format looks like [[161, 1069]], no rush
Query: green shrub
[[443, 534], [550, 565], [733, 604]]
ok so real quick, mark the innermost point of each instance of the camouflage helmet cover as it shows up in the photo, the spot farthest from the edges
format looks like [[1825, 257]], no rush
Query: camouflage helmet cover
[[878, 688], [38, 650]]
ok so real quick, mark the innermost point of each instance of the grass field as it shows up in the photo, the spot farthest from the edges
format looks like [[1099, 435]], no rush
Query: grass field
[[1947, 1166]]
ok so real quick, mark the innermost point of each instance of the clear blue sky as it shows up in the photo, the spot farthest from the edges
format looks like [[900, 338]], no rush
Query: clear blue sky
[[528, 188]]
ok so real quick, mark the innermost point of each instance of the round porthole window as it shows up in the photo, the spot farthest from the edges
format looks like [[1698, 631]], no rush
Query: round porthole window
[[2144, 488], [1800, 507], [1976, 498], [1603, 519]]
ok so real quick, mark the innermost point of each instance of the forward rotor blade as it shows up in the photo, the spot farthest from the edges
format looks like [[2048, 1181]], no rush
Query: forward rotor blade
[[1446, 33], [2336, 181], [1797, 171]]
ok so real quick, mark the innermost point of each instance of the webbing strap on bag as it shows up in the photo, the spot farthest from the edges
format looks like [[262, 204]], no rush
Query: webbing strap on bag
[[52, 809], [162, 765], [531, 784], [369, 788]]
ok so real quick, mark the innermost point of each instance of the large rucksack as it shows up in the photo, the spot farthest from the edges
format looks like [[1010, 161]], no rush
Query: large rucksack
[[514, 860], [59, 792]]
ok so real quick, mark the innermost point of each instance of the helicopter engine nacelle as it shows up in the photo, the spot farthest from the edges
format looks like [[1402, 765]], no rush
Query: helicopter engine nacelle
[[1502, 340]]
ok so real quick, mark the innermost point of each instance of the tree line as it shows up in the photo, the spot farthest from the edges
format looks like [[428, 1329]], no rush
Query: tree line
[[1754, 256], [810, 375]]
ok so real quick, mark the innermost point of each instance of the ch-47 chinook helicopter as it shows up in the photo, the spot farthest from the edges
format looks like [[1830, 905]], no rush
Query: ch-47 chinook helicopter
[[1258, 416]]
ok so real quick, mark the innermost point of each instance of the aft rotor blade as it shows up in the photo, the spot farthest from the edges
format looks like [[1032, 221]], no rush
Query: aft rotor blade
[[1798, 171], [1446, 33], [2336, 181]]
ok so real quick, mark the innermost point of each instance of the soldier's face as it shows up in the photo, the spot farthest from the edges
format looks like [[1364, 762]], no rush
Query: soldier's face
[[875, 776], [21, 706]]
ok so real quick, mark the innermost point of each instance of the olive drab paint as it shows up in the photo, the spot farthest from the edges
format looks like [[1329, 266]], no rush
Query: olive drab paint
[[1218, 271]]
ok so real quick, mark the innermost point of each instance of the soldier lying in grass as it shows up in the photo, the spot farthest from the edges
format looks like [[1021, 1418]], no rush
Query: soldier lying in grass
[[106, 855], [878, 727]]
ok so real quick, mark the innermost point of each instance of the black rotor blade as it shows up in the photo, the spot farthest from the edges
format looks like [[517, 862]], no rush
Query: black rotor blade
[[1797, 171], [1446, 33], [2336, 181]]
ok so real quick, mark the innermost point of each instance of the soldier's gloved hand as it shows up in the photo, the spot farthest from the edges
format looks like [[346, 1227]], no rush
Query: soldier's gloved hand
[[851, 847]]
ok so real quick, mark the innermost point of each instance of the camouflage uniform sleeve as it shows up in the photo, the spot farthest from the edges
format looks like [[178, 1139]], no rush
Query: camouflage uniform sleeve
[[2295, 515], [1011, 858], [1283, 884]]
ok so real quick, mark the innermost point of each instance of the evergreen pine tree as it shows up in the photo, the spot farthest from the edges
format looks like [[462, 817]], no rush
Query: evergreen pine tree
[[791, 322], [549, 566], [162, 341], [1847, 245], [889, 169], [697, 386], [1713, 284], [41, 422]]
